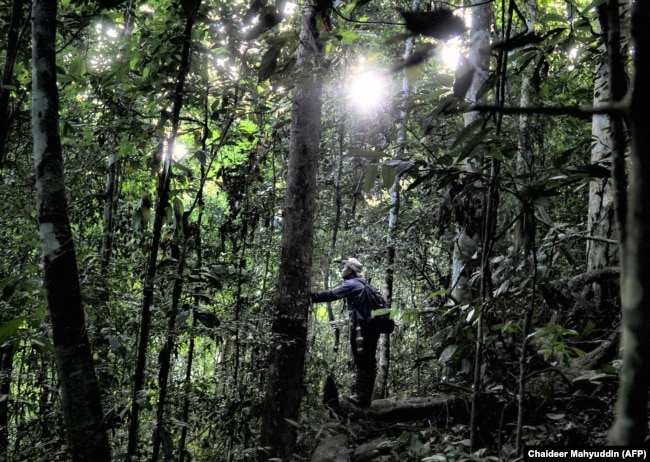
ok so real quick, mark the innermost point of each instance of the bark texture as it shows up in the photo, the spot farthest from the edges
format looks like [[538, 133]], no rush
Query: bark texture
[[11, 51], [287, 362], [80, 398], [608, 142], [631, 425]]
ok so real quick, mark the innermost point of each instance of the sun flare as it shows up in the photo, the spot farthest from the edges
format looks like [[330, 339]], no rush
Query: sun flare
[[368, 91]]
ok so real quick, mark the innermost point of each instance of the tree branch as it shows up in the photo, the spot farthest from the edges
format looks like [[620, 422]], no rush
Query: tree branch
[[585, 112]]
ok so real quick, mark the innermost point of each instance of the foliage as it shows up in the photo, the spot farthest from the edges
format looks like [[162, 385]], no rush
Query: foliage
[[116, 90]]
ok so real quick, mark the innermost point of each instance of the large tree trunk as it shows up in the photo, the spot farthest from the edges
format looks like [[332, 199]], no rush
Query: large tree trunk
[[287, 362], [468, 234], [82, 410], [631, 424], [601, 220]]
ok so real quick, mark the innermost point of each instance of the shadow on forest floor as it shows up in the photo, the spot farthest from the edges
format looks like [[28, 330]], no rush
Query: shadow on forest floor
[[384, 432]]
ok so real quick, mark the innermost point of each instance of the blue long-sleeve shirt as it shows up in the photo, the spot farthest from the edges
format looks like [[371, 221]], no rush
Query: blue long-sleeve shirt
[[352, 290]]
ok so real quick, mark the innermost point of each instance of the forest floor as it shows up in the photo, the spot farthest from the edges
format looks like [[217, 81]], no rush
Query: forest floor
[[580, 417]]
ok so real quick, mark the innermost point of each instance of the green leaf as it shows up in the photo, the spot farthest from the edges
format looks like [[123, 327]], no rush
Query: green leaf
[[9, 286], [388, 175], [269, 62], [447, 354], [293, 422], [215, 281], [371, 176], [438, 337], [472, 143], [414, 72], [381, 311], [9, 328], [373, 155], [347, 36], [207, 319], [591, 171], [439, 24], [410, 316]]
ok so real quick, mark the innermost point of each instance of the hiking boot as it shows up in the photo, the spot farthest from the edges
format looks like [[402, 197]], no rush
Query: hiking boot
[[358, 401]]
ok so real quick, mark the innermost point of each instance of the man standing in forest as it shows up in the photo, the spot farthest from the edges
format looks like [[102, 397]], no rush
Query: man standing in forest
[[363, 338]]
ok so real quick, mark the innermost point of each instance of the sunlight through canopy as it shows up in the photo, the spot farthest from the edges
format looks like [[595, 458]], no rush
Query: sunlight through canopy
[[368, 91]]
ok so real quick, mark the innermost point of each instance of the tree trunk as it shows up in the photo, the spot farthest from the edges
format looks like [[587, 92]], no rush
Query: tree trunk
[[159, 217], [287, 362], [381, 382], [526, 223], [80, 398], [6, 367], [198, 248], [112, 190], [468, 236], [11, 51], [165, 356], [631, 424], [601, 220], [335, 232]]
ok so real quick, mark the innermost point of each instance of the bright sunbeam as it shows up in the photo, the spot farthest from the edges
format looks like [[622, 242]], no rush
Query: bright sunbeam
[[450, 54], [179, 152], [368, 91]]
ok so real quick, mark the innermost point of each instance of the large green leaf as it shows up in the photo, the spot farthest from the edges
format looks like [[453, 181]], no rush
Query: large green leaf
[[371, 176], [367, 154]]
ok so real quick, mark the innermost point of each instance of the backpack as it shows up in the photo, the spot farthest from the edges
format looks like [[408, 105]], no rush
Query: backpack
[[373, 300]]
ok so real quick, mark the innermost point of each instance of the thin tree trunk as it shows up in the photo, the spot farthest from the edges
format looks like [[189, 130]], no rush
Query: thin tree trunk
[[190, 353], [287, 362], [526, 223], [160, 214], [618, 90], [80, 397], [164, 358], [335, 232], [185, 415], [467, 242], [381, 383], [11, 51], [16, 23], [6, 367], [631, 424], [112, 190]]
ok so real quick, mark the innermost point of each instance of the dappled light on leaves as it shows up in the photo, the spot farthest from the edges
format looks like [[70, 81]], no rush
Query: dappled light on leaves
[[421, 146]]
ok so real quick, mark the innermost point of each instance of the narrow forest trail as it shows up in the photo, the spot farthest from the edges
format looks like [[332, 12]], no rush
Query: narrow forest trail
[[436, 428]]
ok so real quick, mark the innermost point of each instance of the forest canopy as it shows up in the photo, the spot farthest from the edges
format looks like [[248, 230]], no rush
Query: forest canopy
[[178, 176]]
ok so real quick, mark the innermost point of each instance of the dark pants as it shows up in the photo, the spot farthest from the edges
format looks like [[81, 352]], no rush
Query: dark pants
[[365, 362]]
